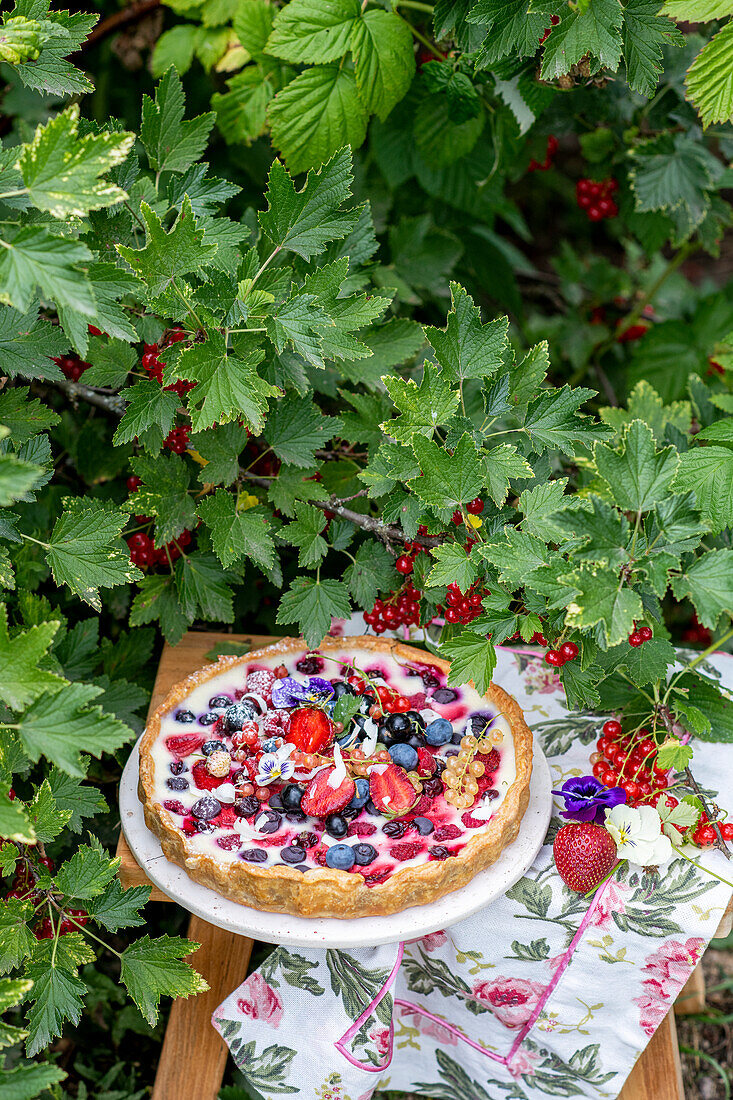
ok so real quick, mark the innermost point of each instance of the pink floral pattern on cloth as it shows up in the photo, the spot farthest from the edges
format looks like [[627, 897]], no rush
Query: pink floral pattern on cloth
[[541, 994]]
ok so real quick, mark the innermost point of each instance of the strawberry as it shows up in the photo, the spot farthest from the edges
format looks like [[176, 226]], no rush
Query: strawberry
[[584, 854], [184, 745], [203, 779], [310, 729], [390, 790], [320, 799]]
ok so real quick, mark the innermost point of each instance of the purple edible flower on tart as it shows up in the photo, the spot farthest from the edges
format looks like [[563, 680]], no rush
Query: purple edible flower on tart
[[291, 693], [586, 799]]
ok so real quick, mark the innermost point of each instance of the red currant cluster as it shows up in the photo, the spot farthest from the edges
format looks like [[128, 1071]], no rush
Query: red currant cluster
[[568, 651], [704, 834], [639, 635], [632, 333], [72, 366], [474, 508], [628, 762], [153, 366], [143, 552], [397, 610], [552, 147], [595, 198], [463, 608], [177, 440], [696, 633]]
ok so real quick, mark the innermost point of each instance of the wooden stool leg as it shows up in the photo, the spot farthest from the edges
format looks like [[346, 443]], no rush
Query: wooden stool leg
[[193, 1057], [658, 1073], [691, 998]]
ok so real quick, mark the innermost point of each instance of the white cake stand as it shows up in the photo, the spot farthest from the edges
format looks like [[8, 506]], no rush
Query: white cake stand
[[281, 928]]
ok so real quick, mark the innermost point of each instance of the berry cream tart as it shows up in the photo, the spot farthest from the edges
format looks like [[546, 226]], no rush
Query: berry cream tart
[[340, 782]]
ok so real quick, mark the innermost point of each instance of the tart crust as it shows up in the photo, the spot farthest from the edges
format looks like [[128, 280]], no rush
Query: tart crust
[[326, 892]]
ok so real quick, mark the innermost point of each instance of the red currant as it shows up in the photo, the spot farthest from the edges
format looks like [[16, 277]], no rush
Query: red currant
[[612, 728], [610, 777], [645, 633], [705, 835], [133, 483], [458, 517], [632, 790], [635, 639], [404, 564], [475, 507], [727, 831], [554, 658], [569, 651]]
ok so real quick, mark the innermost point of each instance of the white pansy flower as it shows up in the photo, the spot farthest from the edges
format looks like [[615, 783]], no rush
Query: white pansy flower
[[637, 831], [275, 765]]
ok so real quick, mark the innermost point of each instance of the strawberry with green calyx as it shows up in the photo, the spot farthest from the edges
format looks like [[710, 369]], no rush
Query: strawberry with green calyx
[[391, 790], [585, 854]]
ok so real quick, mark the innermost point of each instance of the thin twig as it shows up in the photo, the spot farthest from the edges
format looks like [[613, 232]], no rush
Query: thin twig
[[387, 533], [111, 403], [120, 19]]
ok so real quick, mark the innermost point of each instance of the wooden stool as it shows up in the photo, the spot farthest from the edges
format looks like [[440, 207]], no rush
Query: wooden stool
[[223, 958]]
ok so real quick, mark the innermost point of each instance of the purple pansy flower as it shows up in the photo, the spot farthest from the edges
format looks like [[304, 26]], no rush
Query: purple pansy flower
[[586, 799], [291, 693]]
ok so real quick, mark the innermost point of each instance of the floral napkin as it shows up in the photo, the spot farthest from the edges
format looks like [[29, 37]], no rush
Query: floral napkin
[[541, 994]]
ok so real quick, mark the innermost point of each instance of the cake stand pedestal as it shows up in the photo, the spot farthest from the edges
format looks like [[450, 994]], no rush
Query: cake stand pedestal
[[223, 956]]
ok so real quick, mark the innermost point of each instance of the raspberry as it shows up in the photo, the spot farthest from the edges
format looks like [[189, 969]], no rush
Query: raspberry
[[447, 832], [492, 761], [408, 850], [376, 876], [361, 828], [472, 822], [260, 682], [229, 843], [276, 722], [174, 807]]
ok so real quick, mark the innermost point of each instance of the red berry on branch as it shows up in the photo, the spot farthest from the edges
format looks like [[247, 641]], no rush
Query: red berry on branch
[[554, 658], [475, 507], [646, 633], [457, 517], [635, 639], [569, 651], [404, 564], [133, 483], [612, 728]]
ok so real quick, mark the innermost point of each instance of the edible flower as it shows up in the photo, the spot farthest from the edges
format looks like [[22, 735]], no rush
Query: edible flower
[[275, 765], [637, 831], [588, 800], [289, 692]]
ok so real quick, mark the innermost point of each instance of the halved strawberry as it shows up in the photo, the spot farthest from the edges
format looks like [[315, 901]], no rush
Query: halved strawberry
[[203, 779], [310, 729], [320, 799], [184, 744], [390, 790]]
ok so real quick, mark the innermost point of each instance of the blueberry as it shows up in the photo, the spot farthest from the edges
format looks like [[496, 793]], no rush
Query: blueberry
[[439, 852], [336, 825], [208, 719], [340, 687], [372, 809], [395, 829], [293, 854], [364, 854], [247, 806], [275, 801], [254, 855], [341, 857], [213, 746], [423, 825], [206, 807], [361, 797], [271, 824], [291, 796], [296, 816], [185, 716], [236, 715], [404, 755], [439, 732], [218, 702], [457, 738], [350, 813], [444, 695], [177, 784], [176, 767], [399, 724]]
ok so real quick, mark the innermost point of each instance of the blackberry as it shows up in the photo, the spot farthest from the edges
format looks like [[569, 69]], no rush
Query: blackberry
[[176, 767]]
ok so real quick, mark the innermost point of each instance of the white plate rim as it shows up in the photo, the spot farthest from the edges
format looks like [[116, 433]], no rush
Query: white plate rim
[[332, 932]]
